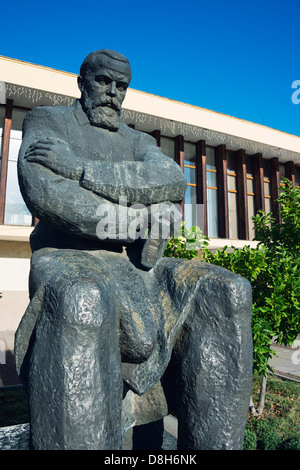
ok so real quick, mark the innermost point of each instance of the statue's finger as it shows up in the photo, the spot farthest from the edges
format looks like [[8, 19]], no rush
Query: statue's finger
[[36, 153]]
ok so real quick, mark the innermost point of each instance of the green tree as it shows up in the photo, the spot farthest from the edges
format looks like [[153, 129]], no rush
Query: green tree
[[186, 243], [272, 268]]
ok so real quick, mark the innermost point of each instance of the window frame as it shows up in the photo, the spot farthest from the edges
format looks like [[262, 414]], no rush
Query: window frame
[[9, 109]]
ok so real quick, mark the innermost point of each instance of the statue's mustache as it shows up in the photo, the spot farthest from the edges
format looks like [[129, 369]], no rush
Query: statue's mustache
[[111, 103]]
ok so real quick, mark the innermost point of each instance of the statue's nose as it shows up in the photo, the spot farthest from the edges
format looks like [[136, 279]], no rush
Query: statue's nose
[[112, 89]]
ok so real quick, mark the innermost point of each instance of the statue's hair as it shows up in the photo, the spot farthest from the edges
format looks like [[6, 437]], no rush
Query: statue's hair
[[90, 60]]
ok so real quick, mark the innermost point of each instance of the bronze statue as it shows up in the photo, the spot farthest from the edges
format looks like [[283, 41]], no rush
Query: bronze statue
[[110, 320]]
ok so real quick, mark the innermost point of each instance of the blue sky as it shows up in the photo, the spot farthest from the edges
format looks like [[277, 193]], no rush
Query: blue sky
[[235, 57]]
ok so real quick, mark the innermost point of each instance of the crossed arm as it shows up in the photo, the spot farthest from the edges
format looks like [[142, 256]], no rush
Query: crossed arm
[[154, 179], [65, 190]]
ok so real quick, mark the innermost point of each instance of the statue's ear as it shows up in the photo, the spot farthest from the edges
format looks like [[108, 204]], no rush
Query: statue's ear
[[80, 83]]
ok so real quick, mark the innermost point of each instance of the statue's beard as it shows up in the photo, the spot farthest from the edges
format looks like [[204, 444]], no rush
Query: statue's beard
[[105, 112]]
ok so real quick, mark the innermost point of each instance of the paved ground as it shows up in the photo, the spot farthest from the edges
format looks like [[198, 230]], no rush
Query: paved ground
[[287, 362]]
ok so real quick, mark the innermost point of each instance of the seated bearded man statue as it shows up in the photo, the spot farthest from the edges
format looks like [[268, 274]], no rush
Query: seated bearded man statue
[[109, 317]]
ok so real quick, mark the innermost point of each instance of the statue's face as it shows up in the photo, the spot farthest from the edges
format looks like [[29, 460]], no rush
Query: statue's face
[[103, 92]]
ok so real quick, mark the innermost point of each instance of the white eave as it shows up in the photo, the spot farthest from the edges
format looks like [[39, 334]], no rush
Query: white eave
[[150, 112]]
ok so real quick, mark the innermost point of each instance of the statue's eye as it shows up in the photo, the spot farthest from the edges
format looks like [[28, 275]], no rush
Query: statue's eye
[[102, 80], [121, 86]]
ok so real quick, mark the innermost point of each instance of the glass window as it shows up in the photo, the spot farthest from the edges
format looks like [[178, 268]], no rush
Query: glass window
[[212, 193], [249, 166], [251, 213], [14, 145], [250, 185], [268, 207], [17, 119], [210, 159], [167, 146], [190, 174], [211, 179], [231, 161], [231, 182], [2, 116], [267, 186], [297, 176], [267, 189], [281, 173], [281, 170], [189, 153], [190, 162], [250, 195], [190, 207], [212, 213], [232, 195], [266, 164], [232, 215], [16, 212]]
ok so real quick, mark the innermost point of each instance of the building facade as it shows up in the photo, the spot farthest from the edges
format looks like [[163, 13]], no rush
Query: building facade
[[233, 168]]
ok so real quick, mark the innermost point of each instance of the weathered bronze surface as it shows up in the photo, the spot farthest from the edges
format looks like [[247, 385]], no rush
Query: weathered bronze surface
[[115, 335]]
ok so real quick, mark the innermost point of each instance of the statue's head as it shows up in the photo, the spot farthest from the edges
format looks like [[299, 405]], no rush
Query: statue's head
[[104, 78]]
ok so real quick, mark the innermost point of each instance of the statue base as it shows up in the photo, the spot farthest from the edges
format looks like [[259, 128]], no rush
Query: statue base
[[137, 438]]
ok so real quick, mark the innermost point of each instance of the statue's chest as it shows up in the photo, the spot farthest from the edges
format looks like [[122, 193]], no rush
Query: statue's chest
[[98, 144]]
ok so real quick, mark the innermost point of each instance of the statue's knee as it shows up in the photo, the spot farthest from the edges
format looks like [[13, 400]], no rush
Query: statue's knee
[[235, 297], [231, 280], [84, 303], [238, 290], [225, 294]]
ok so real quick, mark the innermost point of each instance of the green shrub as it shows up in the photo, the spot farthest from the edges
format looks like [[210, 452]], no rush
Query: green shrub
[[271, 441], [261, 427], [292, 444], [186, 243], [250, 440], [273, 272]]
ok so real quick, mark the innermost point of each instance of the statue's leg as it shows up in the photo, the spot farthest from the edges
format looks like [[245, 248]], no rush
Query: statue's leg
[[75, 380], [212, 360]]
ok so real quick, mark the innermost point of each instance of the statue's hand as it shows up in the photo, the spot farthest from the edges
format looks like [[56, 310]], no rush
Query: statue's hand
[[55, 155], [166, 219]]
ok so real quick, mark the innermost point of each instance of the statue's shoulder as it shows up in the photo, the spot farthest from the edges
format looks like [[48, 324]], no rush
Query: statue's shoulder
[[51, 117], [43, 112], [136, 135]]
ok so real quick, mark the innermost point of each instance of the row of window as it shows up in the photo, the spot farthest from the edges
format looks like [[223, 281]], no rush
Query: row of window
[[212, 200], [215, 196]]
